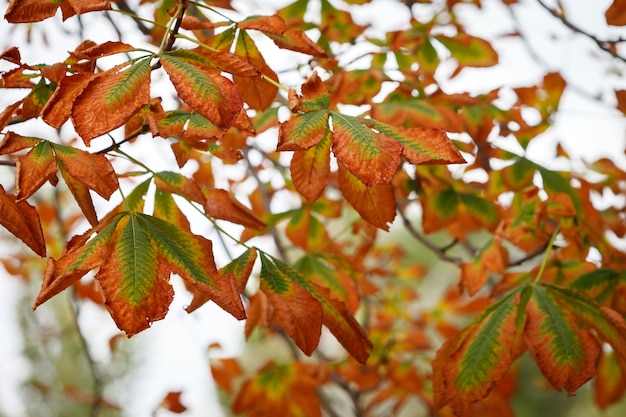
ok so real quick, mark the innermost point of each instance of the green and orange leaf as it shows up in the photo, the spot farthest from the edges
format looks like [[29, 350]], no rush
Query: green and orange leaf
[[295, 309], [303, 131], [203, 89], [467, 366], [191, 257], [371, 156], [565, 353], [111, 98], [310, 169], [35, 169]]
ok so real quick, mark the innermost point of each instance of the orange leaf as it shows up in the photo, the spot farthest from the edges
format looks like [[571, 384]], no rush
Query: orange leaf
[[80, 255], [34, 169], [565, 353], [26, 11], [172, 403], [293, 305], [298, 41], [616, 13], [220, 204], [59, 107], [258, 93], [92, 170], [371, 156], [197, 83], [310, 169], [267, 24], [22, 220], [376, 203], [111, 98]]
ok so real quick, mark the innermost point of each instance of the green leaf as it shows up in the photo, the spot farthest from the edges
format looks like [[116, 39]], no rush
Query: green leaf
[[599, 283], [470, 51]]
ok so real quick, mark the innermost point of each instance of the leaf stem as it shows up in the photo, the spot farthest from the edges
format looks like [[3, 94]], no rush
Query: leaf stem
[[546, 254]]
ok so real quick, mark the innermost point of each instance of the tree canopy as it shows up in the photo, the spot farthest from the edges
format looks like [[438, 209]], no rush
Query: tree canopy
[[286, 165]]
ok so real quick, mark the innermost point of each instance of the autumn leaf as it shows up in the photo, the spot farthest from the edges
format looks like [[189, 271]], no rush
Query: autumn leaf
[[266, 392], [310, 169], [303, 131], [35, 169], [470, 51], [467, 366], [423, 146], [58, 108], [134, 279], [202, 88], [370, 156], [565, 353], [191, 257], [293, 305], [255, 91], [22, 220], [111, 98], [336, 315], [220, 204], [376, 203], [80, 255], [616, 13]]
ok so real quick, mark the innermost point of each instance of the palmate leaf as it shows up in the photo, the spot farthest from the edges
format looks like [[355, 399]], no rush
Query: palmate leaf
[[203, 89], [467, 366], [191, 257], [111, 98]]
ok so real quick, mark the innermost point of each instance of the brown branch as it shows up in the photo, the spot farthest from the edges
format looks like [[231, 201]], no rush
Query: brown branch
[[123, 6], [116, 145], [440, 252], [605, 45]]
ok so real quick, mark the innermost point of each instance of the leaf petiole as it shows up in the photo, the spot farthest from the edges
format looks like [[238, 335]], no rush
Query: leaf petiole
[[546, 254]]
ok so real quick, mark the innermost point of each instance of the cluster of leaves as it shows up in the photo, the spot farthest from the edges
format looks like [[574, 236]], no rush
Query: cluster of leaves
[[380, 160]]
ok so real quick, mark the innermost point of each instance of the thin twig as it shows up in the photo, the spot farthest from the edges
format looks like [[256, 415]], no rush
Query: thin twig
[[123, 6], [441, 254], [605, 45]]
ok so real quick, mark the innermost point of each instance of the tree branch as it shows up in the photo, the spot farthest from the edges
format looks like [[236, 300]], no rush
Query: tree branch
[[605, 45], [440, 252]]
